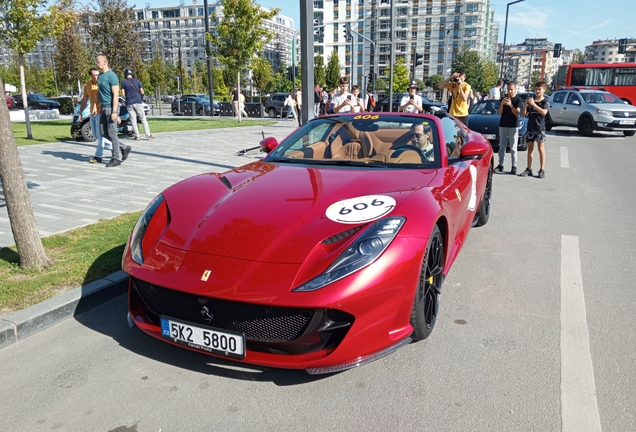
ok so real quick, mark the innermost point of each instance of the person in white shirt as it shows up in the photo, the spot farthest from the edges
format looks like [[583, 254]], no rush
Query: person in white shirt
[[344, 101], [359, 103], [299, 106], [495, 92], [411, 102], [291, 104]]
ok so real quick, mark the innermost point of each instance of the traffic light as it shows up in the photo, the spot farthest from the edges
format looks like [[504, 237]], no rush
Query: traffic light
[[347, 31], [557, 50], [371, 77], [290, 73], [418, 59], [622, 46]]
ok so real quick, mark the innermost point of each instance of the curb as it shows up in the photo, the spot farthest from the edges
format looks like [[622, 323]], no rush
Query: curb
[[29, 321]]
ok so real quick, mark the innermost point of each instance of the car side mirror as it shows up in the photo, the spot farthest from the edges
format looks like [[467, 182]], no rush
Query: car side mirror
[[268, 144], [474, 150], [576, 102]]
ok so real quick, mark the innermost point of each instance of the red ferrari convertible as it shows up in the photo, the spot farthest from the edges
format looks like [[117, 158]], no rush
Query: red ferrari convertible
[[327, 254]]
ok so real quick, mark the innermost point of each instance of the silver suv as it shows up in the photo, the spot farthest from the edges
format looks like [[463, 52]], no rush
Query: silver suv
[[591, 110]]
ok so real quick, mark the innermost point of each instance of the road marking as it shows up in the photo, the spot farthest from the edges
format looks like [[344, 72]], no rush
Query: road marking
[[579, 409], [565, 162], [68, 209]]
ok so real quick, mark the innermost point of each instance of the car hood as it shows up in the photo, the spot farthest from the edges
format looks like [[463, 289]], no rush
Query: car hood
[[614, 107], [489, 123], [274, 213]]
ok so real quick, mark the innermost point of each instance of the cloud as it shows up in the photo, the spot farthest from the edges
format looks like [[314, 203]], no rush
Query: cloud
[[587, 29], [532, 20]]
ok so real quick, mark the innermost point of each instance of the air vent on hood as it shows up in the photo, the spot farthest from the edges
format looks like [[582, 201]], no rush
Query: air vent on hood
[[225, 181]]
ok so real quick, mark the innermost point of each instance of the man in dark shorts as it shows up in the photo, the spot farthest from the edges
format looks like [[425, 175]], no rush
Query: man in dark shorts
[[536, 109]]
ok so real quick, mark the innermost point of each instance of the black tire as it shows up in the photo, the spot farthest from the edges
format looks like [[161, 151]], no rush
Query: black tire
[[175, 111], [522, 144], [271, 112], [429, 288], [586, 126], [87, 132], [629, 133], [200, 111], [483, 212], [548, 123]]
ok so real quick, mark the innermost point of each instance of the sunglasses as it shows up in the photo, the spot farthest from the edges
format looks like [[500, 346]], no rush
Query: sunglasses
[[417, 135]]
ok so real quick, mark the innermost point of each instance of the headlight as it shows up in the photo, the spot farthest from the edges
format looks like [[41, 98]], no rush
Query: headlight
[[604, 112], [149, 228], [362, 252]]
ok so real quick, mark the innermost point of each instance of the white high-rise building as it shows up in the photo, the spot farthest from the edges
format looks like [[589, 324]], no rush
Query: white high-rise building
[[436, 29]]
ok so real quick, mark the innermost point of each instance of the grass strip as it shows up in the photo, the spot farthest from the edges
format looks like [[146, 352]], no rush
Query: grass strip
[[47, 131], [79, 256]]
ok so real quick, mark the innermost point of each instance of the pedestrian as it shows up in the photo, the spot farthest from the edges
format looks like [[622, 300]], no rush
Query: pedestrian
[[242, 104], [324, 104], [317, 100], [234, 98], [343, 101], [90, 94], [459, 90], [108, 86], [132, 90], [509, 109], [299, 106], [536, 109], [412, 102], [290, 103], [495, 92], [359, 103], [369, 100], [472, 100]]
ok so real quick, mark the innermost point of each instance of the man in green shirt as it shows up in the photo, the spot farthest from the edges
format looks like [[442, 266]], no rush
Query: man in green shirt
[[108, 85]]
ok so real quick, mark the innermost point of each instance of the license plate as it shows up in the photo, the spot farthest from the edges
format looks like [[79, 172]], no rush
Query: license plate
[[628, 122], [490, 136], [204, 338]]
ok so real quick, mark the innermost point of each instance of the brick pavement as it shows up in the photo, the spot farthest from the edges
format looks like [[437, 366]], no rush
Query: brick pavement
[[68, 192]]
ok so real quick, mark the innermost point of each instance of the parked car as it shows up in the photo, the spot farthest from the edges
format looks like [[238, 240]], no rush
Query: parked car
[[181, 105], [275, 105], [430, 107], [591, 110], [484, 118], [82, 130], [10, 102], [327, 254], [216, 108], [36, 101]]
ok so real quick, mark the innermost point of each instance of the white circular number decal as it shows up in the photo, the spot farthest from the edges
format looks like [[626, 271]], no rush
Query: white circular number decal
[[361, 209]]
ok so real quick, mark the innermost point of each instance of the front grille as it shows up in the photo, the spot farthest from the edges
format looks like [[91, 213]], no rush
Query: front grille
[[266, 328], [624, 114]]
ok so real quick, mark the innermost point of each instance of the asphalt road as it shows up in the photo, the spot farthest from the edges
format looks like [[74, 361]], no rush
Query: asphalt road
[[536, 333]]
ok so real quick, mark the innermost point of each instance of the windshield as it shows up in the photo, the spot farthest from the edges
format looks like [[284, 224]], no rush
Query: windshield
[[486, 107], [369, 140], [600, 98], [36, 96]]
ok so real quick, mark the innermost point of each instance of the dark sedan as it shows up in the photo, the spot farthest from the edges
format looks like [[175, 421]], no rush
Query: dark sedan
[[190, 105], [36, 101], [484, 118], [429, 107]]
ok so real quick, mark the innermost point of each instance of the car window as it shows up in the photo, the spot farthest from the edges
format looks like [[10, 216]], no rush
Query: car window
[[599, 98], [573, 98], [486, 108], [558, 97], [454, 135]]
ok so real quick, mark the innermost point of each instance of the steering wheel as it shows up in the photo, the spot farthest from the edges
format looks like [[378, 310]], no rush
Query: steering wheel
[[413, 148]]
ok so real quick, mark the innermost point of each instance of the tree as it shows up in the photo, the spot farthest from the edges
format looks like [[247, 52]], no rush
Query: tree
[[113, 30], [220, 89], [71, 59], [400, 76], [239, 34], [262, 75], [17, 197], [332, 74], [481, 74], [23, 25], [535, 77], [434, 81], [381, 85], [320, 75]]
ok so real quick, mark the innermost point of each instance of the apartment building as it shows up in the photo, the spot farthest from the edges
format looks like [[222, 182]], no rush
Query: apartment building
[[436, 29], [533, 55], [606, 51]]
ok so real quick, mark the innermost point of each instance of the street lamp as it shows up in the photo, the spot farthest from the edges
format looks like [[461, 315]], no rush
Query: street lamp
[[503, 49]]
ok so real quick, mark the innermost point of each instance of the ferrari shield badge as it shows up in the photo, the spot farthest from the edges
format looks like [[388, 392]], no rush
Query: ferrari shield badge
[[361, 209], [206, 275]]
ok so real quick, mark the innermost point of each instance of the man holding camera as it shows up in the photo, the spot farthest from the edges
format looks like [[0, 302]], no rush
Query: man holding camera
[[460, 90], [411, 102]]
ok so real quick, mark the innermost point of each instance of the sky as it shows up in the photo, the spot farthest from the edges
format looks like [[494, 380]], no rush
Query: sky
[[573, 23]]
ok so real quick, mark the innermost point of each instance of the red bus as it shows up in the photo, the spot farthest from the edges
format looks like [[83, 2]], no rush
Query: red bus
[[616, 78]]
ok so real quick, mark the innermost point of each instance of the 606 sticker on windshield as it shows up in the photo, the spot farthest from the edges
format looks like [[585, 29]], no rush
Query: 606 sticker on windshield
[[361, 209], [367, 117]]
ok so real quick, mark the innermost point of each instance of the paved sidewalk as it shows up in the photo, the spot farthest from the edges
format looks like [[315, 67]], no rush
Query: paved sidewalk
[[68, 192]]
